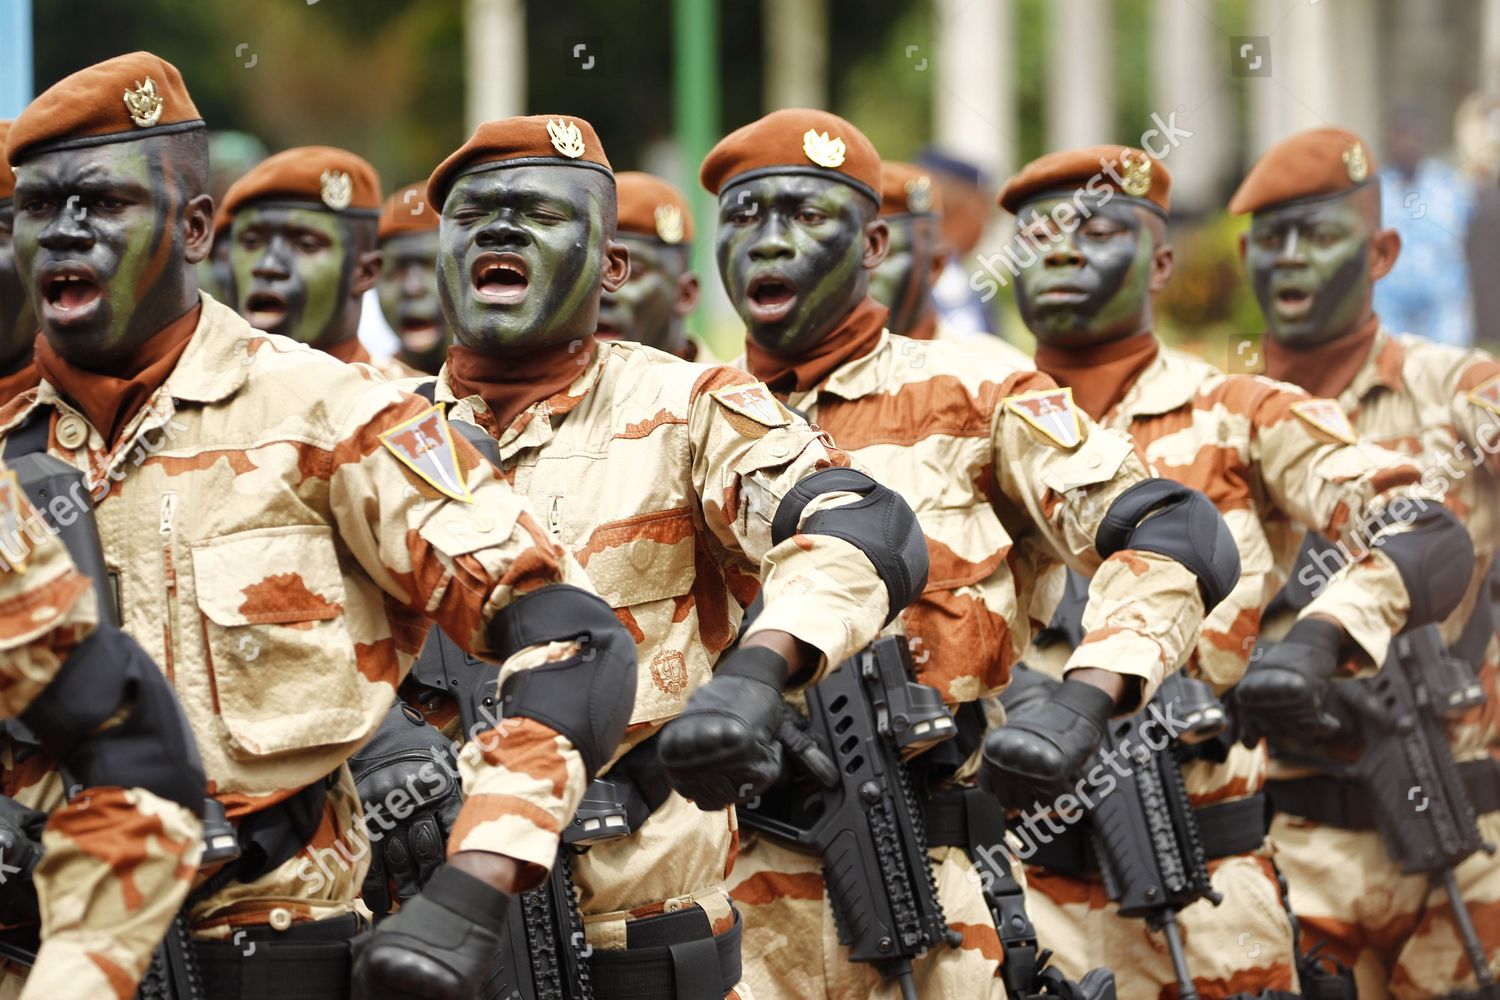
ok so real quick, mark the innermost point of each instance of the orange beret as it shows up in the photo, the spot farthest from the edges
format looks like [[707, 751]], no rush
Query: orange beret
[[794, 141], [906, 189], [118, 100], [1314, 164], [7, 176], [1095, 169], [520, 142], [332, 179], [407, 211], [649, 206]]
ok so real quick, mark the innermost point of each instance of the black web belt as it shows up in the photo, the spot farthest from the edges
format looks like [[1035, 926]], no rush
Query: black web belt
[[307, 961], [1345, 804], [673, 956]]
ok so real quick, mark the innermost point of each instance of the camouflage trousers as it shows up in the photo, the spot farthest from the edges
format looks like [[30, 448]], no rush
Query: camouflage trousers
[[791, 947], [1395, 930], [1242, 945]]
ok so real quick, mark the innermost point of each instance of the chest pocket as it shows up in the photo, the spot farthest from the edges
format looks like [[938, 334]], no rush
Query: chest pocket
[[280, 655]]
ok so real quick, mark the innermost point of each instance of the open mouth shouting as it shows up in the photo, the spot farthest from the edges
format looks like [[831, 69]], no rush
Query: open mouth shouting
[[71, 294], [265, 309], [418, 335], [771, 296], [1292, 303], [501, 278]]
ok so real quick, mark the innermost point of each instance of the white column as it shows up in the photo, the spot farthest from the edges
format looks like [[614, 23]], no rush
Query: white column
[[796, 53], [495, 57], [1489, 49], [974, 88], [1191, 61], [1301, 91], [1080, 73]]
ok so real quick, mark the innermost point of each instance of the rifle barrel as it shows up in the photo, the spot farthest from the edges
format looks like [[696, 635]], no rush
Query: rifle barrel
[[1466, 932], [1185, 988]]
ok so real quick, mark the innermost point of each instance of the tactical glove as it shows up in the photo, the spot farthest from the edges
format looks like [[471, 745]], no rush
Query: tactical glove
[[20, 848], [1283, 692], [723, 748], [1038, 754], [408, 756], [439, 946]]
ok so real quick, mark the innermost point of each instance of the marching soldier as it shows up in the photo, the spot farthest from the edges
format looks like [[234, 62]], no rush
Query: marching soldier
[[1270, 457], [280, 529], [1006, 478], [911, 203], [1314, 250], [656, 225], [17, 322], [408, 283], [665, 479]]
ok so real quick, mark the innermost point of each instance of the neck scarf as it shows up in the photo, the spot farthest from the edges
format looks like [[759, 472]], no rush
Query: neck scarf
[[854, 337], [1099, 375]]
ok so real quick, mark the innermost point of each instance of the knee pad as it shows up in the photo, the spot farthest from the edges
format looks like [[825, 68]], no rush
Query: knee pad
[[1178, 522], [1434, 556], [150, 747], [587, 697], [881, 525]]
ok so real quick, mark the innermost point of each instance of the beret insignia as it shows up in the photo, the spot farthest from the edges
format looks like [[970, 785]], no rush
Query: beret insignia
[[1356, 164], [336, 189], [1051, 412], [669, 223], [822, 150], [1136, 180], [566, 138], [144, 103], [919, 194]]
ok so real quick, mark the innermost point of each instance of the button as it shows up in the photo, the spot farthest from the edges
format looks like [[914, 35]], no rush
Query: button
[[1094, 461], [672, 905], [72, 432], [779, 450], [281, 919], [1223, 430], [484, 525]]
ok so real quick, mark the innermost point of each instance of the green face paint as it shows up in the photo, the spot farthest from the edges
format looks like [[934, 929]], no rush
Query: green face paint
[[644, 309], [521, 257], [1310, 267], [1085, 276], [292, 270], [17, 321], [790, 251], [99, 247], [903, 281], [408, 292]]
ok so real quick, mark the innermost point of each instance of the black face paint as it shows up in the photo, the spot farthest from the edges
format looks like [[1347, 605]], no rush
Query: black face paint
[[903, 281], [790, 251], [408, 291], [1089, 272], [99, 246], [292, 269], [17, 322], [521, 257], [644, 308], [1310, 268]]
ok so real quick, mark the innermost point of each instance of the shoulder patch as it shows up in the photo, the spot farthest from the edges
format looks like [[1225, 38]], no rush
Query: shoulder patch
[[13, 545], [424, 444], [1328, 417], [753, 401], [1487, 395], [1052, 412]]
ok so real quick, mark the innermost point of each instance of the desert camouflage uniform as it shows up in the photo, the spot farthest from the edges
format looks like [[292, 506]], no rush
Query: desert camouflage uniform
[[1440, 405], [1243, 441], [991, 347], [118, 860], [279, 563], [662, 477], [1000, 502]]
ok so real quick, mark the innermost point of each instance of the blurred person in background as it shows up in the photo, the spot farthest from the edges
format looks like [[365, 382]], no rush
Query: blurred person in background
[[968, 203], [17, 321], [231, 155], [408, 288]]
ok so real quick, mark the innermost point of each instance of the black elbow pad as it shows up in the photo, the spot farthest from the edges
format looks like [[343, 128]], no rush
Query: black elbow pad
[[1178, 522], [587, 697], [881, 525], [1434, 556], [150, 747]]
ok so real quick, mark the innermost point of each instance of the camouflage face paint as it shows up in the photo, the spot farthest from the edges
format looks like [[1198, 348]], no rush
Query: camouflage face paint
[[292, 269], [99, 246], [643, 309], [1310, 268], [1087, 286], [17, 321], [521, 257], [903, 281], [408, 292], [790, 249]]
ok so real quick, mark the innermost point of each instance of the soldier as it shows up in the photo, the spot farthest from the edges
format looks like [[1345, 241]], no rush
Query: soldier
[[408, 289], [665, 479], [17, 322], [1006, 478], [656, 225], [1270, 457], [911, 203], [280, 529], [303, 250], [1315, 248]]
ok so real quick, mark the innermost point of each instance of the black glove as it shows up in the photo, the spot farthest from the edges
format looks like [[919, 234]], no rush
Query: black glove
[[439, 946], [1097, 984], [20, 848], [1036, 755], [1283, 692], [723, 748], [408, 755]]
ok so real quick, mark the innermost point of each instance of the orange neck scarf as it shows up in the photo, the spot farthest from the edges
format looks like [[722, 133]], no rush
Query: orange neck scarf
[[18, 381], [1099, 375], [1326, 369], [509, 385], [854, 337]]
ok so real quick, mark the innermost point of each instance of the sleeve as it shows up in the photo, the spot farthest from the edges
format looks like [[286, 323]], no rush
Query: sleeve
[[1144, 610], [748, 453]]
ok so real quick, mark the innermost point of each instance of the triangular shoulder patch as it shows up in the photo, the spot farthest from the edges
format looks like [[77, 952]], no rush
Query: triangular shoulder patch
[[753, 400], [14, 548], [424, 444], [1487, 395], [1052, 412], [1328, 417]]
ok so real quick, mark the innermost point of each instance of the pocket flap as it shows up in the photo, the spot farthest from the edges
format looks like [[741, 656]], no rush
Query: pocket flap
[[269, 576]]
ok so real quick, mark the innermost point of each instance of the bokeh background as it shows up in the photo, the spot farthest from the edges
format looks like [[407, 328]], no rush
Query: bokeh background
[[994, 82]]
